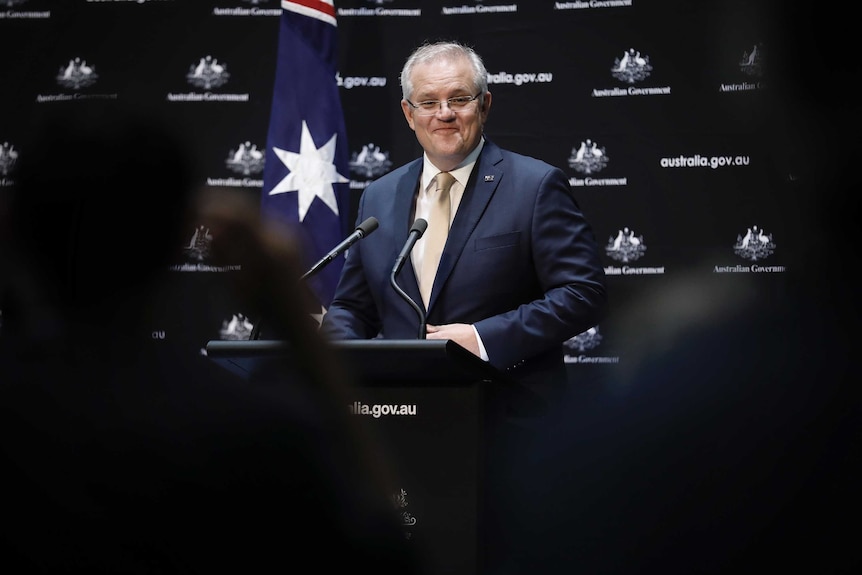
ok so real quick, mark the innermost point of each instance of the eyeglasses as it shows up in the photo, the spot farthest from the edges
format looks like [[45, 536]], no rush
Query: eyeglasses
[[430, 107]]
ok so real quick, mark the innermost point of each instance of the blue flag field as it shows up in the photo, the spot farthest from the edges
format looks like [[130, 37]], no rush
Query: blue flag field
[[305, 179]]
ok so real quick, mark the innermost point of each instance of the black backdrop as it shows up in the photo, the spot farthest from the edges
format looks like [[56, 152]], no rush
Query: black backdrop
[[659, 93]]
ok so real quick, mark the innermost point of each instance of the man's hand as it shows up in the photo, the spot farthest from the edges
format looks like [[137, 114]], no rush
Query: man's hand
[[460, 333]]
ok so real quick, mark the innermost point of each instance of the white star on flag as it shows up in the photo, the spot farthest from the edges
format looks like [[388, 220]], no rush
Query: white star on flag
[[318, 317], [312, 172]]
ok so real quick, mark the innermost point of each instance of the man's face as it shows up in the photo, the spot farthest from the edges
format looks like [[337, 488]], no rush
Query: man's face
[[446, 136]]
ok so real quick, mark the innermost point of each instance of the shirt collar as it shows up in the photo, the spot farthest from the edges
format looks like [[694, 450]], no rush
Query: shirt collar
[[461, 171]]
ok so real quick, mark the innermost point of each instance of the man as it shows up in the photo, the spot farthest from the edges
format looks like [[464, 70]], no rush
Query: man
[[520, 272]]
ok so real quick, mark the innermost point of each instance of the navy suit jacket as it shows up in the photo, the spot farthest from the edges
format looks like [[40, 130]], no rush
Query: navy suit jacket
[[521, 263]]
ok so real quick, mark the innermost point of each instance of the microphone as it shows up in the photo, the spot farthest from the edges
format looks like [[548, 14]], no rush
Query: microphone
[[362, 230], [419, 227], [416, 231]]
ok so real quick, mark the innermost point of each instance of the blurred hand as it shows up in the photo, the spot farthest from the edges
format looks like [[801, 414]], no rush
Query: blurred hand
[[269, 255]]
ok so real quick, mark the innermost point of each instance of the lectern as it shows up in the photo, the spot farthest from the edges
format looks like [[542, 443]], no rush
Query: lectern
[[430, 402]]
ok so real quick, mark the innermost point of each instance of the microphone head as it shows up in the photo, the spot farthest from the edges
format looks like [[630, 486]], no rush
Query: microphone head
[[368, 226], [420, 225]]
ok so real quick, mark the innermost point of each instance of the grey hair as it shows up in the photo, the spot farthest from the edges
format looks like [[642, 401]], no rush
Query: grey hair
[[430, 52]]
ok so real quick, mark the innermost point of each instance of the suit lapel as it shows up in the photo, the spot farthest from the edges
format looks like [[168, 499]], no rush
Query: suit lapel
[[405, 199], [486, 176]]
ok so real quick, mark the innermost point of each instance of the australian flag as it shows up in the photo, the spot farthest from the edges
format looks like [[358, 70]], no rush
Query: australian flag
[[305, 183]]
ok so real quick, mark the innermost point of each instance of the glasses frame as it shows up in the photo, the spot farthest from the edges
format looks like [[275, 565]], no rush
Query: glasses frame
[[439, 105]]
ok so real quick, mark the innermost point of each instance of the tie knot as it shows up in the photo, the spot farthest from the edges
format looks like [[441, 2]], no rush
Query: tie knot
[[444, 182]]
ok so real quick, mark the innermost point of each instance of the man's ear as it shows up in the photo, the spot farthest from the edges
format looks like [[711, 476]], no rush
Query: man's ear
[[408, 114], [485, 106]]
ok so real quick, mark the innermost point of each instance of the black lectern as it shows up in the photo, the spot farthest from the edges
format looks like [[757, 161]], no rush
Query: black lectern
[[430, 402]]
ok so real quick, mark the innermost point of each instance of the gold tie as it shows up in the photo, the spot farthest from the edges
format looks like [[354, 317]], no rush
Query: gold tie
[[435, 235]]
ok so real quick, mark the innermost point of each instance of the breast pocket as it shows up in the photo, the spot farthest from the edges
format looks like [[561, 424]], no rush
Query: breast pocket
[[496, 263], [499, 241]]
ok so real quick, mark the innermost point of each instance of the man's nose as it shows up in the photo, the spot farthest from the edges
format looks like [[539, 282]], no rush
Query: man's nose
[[444, 110]]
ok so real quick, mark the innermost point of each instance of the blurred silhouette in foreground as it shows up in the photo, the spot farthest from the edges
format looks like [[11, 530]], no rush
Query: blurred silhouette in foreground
[[122, 454], [728, 441]]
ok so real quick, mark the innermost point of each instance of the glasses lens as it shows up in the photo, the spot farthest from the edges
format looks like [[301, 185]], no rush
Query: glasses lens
[[460, 103], [457, 104], [428, 108]]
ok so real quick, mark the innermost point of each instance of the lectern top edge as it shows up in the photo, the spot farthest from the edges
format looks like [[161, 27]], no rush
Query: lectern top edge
[[373, 362]]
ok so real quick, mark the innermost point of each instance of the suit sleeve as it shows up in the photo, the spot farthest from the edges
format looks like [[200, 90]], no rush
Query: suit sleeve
[[569, 272]]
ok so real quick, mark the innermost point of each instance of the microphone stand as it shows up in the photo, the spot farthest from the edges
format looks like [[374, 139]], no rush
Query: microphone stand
[[416, 231], [412, 303]]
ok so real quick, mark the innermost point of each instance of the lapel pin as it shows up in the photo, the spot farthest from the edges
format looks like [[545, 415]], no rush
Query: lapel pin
[[489, 178]]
